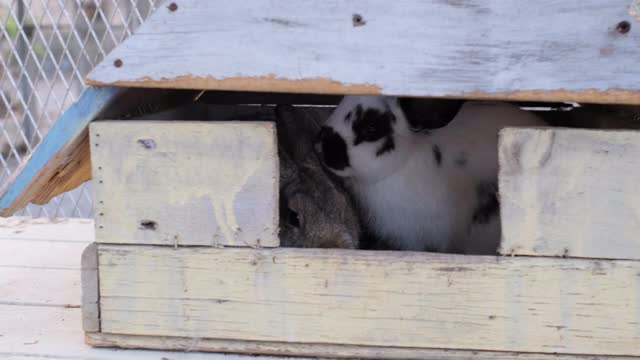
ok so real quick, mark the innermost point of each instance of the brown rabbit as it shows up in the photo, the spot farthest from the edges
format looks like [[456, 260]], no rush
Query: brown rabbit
[[315, 210]]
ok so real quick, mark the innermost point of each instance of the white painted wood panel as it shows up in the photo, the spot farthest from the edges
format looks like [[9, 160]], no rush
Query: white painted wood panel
[[185, 183], [39, 287], [40, 316], [32, 332], [43, 229], [38, 330], [373, 298], [510, 49], [41, 254], [570, 192]]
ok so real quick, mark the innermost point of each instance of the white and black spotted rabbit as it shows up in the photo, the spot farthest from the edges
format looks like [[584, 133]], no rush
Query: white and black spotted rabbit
[[432, 190]]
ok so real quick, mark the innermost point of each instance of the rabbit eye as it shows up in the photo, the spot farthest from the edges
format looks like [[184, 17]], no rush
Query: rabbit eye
[[293, 218]]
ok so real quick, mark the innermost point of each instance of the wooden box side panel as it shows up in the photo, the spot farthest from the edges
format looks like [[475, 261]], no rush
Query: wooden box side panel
[[388, 299], [185, 183], [570, 192]]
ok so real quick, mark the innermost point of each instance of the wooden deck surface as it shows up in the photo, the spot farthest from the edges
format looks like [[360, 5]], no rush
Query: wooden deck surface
[[40, 295]]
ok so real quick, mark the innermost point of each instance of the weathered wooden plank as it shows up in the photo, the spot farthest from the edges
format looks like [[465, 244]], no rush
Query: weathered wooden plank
[[52, 168], [185, 183], [90, 290], [41, 254], [44, 229], [570, 192], [572, 51], [61, 162], [73, 166], [39, 261], [38, 332], [368, 298], [35, 286], [319, 350], [40, 315]]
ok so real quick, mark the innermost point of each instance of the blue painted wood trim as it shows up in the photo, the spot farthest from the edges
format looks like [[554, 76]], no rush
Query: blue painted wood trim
[[92, 101]]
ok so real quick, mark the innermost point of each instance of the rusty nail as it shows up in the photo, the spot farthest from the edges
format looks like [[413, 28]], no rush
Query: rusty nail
[[172, 7], [117, 63], [623, 27]]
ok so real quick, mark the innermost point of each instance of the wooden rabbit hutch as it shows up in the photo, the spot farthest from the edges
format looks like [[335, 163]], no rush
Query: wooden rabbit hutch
[[187, 253]]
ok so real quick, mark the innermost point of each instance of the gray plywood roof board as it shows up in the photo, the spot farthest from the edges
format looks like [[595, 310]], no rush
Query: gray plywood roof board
[[578, 50]]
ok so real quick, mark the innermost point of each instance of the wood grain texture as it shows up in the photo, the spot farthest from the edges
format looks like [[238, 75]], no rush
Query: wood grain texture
[[53, 333], [90, 289], [473, 49], [61, 161], [34, 286], [50, 254], [44, 229], [40, 261], [570, 192], [57, 164], [185, 183], [40, 315], [318, 350], [368, 298]]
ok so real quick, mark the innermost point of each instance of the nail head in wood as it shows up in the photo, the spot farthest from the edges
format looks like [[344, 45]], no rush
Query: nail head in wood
[[623, 27], [117, 63], [172, 7], [358, 20]]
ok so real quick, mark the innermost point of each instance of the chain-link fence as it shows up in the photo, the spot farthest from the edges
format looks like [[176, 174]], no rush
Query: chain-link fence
[[46, 49]]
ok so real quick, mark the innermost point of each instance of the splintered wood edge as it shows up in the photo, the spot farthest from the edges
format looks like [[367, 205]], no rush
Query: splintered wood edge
[[68, 169], [315, 350], [323, 86], [259, 84], [90, 289]]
